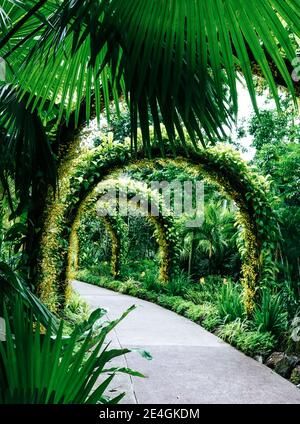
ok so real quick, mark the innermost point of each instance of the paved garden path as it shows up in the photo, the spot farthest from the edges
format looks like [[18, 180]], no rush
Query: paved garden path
[[190, 365]]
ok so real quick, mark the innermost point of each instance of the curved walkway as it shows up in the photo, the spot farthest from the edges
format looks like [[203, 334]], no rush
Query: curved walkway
[[190, 365]]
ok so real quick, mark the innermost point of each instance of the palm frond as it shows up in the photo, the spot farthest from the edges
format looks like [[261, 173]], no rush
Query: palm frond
[[25, 148], [46, 369], [178, 60]]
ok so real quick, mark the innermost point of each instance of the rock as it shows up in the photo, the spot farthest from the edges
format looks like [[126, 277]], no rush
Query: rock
[[281, 363], [259, 358], [274, 358], [295, 376]]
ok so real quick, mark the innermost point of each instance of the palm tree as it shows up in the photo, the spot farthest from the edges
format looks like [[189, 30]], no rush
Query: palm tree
[[177, 61], [212, 239], [174, 57]]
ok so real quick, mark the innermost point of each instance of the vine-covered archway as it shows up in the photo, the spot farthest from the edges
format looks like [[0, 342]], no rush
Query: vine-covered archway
[[164, 233], [221, 165], [118, 232]]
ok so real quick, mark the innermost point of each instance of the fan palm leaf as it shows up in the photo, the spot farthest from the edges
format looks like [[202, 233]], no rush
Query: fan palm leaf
[[176, 59], [24, 146]]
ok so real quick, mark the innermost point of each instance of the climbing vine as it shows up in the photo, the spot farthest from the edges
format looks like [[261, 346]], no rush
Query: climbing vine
[[165, 233], [221, 165], [116, 228]]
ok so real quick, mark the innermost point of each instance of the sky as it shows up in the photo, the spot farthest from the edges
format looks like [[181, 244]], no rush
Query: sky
[[245, 112]]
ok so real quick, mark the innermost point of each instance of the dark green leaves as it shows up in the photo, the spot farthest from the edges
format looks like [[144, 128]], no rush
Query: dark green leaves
[[41, 368], [12, 287], [179, 58], [24, 145]]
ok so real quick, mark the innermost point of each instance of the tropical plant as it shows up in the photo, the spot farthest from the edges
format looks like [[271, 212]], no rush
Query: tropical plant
[[38, 367], [230, 303], [270, 315], [179, 284], [276, 140], [207, 289], [124, 46], [250, 342], [77, 310], [208, 247], [176, 63], [12, 286]]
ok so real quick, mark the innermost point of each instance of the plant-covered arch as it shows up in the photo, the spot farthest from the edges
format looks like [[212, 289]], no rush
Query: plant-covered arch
[[117, 229], [221, 165], [164, 232]]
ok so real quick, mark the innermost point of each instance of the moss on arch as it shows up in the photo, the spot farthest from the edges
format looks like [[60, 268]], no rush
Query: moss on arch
[[221, 165]]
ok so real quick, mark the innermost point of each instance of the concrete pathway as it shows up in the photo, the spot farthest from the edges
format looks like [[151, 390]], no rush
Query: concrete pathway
[[190, 365]]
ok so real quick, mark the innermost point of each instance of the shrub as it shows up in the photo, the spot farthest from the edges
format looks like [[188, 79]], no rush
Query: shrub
[[194, 313], [230, 305], [290, 292], [229, 332], [197, 297], [207, 290], [150, 295], [151, 283], [169, 302], [129, 286], [256, 343], [250, 342], [87, 277], [270, 315], [76, 311], [182, 307], [178, 285], [211, 317], [53, 369], [211, 322]]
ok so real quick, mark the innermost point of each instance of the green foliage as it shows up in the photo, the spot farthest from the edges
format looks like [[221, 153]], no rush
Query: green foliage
[[230, 304], [39, 368], [270, 128], [195, 313], [94, 242], [290, 294], [270, 315], [211, 248], [231, 330], [222, 165], [276, 138], [143, 269], [211, 322], [178, 285], [12, 286], [76, 310], [198, 78], [88, 277], [206, 290], [256, 343], [151, 281], [250, 342]]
